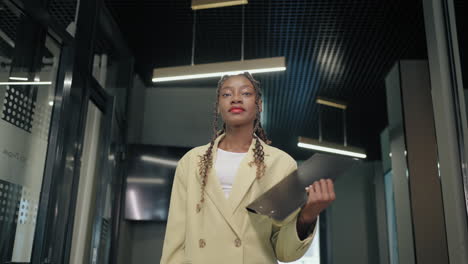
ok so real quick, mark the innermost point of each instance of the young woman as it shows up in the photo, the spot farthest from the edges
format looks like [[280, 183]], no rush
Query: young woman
[[213, 184]]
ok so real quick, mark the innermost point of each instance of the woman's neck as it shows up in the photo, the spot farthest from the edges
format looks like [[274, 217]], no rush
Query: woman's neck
[[237, 139]]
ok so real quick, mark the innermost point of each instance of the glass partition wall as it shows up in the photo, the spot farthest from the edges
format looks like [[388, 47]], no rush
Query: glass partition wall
[[29, 60], [52, 108]]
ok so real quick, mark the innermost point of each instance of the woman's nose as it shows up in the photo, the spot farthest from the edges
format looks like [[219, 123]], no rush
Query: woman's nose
[[236, 98]]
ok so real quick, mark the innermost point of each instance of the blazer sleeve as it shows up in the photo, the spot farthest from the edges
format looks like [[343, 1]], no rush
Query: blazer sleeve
[[174, 241], [285, 240]]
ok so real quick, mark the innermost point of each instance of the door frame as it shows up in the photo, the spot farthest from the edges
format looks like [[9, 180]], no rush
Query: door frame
[[105, 103], [450, 121]]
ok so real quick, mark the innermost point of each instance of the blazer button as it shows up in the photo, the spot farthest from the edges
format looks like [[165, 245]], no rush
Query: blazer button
[[238, 242], [201, 243]]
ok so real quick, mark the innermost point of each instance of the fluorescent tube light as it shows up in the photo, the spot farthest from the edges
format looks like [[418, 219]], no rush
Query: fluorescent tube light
[[18, 78], [331, 103], [25, 83], [219, 69], [331, 148], [214, 74], [206, 4]]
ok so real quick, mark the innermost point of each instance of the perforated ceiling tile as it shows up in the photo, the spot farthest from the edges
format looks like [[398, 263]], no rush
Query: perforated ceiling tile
[[8, 22], [340, 49], [63, 11]]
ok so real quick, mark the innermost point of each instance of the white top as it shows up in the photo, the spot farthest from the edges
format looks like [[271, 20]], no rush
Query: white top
[[226, 166]]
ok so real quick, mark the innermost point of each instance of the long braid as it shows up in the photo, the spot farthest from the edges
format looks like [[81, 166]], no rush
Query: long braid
[[259, 155], [206, 160]]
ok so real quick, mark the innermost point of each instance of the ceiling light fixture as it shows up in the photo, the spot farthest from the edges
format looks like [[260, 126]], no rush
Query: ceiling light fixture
[[219, 69], [25, 83], [206, 4], [331, 148], [13, 78], [323, 146]]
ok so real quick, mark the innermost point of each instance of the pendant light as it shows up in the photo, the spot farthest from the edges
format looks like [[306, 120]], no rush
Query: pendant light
[[206, 4], [323, 146], [220, 68]]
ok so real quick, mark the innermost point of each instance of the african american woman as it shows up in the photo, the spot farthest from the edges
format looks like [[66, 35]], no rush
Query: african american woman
[[213, 184]]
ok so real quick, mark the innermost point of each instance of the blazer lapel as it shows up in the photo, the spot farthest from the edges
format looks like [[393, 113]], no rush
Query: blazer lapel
[[215, 192], [245, 177]]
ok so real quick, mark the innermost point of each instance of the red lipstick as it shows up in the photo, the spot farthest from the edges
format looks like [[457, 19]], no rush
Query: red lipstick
[[236, 110]]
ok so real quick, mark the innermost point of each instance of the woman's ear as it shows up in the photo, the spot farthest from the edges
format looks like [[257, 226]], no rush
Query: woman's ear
[[260, 105]]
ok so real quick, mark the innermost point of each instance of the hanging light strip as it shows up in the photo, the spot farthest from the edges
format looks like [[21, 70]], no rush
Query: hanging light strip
[[219, 69], [25, 83], [331, 103], [331, 148], [206, 4], [13, 78]]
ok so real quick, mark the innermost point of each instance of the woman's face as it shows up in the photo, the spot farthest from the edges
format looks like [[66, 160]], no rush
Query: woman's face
[[237, 102]]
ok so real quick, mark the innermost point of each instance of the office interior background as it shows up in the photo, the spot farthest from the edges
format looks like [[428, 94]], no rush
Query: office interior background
[[89, 138]]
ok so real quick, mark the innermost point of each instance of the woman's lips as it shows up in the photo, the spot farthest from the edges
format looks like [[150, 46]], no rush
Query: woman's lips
[[236, 110]]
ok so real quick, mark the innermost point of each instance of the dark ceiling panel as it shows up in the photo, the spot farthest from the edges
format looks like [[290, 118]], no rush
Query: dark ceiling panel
[[340, 49], [8, 22], [63, 11]]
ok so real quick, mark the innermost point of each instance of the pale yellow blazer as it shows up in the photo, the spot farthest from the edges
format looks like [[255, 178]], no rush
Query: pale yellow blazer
[[224, 232]]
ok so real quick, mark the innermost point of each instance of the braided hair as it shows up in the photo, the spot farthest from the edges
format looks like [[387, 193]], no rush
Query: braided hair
[[206, 160]]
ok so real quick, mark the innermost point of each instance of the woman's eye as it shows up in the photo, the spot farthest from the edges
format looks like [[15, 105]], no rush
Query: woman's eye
[[225, 95], [247, 94]]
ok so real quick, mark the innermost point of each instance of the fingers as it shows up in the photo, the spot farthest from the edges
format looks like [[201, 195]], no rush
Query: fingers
[[325, 192], [320, 195], [331, 190], [321, 191], [317, 190]]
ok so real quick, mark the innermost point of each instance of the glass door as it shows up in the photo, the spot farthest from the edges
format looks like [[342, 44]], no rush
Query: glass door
[[91, 224], [88, 186], [29, 60]]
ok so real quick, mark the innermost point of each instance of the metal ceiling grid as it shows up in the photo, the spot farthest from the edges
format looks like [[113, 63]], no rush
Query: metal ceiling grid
[[8, 26], [335, 48], [63, 11], [8, 22]]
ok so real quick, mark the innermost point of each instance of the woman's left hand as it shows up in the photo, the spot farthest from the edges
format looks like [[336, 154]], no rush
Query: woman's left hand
[[320, 195]]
